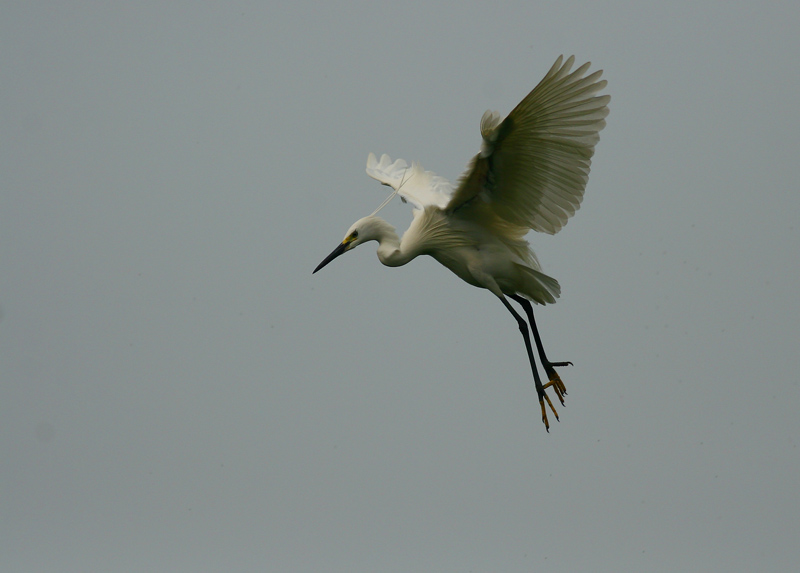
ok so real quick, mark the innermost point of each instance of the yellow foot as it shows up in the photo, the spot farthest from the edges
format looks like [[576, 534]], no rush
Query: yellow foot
[[544, 412], [556, 383]]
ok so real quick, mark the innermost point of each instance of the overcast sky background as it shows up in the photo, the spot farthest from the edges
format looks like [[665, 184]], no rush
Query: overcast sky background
[[178, 393]]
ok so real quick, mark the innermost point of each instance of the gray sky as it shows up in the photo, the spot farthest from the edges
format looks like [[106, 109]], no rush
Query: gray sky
[[178, 393]]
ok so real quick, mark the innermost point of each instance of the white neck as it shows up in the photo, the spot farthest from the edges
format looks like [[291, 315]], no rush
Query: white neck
[[390, 248]]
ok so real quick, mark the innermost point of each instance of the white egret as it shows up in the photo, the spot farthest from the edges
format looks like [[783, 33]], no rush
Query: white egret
[[531, 173]]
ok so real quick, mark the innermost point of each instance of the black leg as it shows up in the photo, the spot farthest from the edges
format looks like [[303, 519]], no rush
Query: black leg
[[540, 389], [552, 375]]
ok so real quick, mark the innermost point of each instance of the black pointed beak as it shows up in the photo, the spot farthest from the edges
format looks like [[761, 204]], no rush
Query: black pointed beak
[[336, 252]]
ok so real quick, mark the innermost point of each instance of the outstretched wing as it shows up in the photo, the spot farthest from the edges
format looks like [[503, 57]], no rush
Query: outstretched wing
[[534, 164], [419, 187]]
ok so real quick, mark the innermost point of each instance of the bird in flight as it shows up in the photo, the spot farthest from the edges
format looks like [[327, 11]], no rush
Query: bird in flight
[[531, 173]]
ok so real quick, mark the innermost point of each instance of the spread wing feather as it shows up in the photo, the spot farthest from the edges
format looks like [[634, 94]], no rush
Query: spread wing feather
[[534, 164], [419, 187]]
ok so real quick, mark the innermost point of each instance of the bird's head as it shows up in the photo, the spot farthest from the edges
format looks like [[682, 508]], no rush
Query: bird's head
[[369, 228]]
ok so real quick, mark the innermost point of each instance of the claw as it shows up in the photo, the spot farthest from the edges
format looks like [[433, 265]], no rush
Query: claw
[[555, 380], [542, 398], [544, 415], [546, 397], [558, 386], [558, 390]]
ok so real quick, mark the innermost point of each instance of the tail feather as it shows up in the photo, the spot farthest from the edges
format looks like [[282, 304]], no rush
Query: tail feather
[[539, 287]]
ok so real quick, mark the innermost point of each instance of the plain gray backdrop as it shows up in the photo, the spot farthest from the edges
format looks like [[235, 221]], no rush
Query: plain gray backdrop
[[178, 393]]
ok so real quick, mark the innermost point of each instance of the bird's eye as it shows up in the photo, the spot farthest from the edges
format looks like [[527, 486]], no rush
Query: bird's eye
[[354, 235]]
